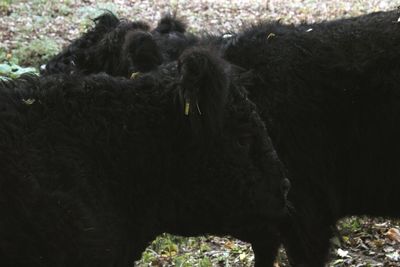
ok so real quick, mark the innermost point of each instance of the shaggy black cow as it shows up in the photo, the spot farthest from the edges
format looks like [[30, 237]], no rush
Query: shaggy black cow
[[107, 47], [93, 168], [329, 94], [121, 47]]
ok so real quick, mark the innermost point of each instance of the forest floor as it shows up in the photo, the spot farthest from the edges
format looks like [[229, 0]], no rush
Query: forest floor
[[32, 31]]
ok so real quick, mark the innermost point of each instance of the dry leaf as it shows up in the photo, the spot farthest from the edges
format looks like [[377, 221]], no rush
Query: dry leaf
[[242, 256], [229, 245], [393, 234], [379, 243], [28, 101], [393, 256], [270, 35], [384, 224], [342, 253]]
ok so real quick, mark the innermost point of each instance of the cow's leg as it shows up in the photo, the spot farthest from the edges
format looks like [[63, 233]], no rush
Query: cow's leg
[[265, 250]]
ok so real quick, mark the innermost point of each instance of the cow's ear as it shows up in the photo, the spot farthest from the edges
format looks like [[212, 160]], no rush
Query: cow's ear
[[204, 85], [140, 52], [106, 21], [170, 23]]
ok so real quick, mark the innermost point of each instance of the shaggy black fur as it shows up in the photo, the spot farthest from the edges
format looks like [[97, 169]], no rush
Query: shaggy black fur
[[107, 48], [121, 48], [67, 60], [171, 37], [93, 168], [329, 94]]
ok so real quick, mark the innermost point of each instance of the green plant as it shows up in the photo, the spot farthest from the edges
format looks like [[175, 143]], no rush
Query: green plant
[[5, 5], [350, 225], [37, 52], [205, 262], [10, 70]]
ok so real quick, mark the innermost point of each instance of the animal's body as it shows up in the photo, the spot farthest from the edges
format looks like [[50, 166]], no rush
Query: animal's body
[[94, 167], [329, 95], [120, 47]]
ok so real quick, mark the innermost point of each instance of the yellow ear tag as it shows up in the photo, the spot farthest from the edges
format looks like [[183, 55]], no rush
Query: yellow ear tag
[[134, 75], [187, 108]]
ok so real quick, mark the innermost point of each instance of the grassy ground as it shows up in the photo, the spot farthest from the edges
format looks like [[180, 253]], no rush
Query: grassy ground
[[33, 31]]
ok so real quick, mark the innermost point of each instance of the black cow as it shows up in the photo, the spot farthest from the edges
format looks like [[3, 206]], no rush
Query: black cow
[[329, 95], [122, 47], [94, 167]]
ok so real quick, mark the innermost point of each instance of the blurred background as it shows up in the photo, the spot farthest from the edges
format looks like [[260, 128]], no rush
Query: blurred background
[[33, 31]]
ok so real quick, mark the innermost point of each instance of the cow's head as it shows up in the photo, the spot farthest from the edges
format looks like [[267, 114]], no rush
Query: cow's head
[[122, 47], [222, 168]]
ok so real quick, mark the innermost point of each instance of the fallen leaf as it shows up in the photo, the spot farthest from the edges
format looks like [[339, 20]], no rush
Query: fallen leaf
[[388, 249], [393, 234], [28, 101], [384, 224], [393, 256], [270, 35], [336, 262], [242, 256], [229, 245], [378, 243], [342, 253]]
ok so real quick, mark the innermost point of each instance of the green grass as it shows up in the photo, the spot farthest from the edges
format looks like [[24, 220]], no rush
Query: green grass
[[36, 53], [10, 70], [5, 5], [169, 250]]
